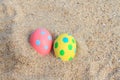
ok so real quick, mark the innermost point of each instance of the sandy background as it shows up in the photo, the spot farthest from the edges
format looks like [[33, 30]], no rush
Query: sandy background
[[95, 24]]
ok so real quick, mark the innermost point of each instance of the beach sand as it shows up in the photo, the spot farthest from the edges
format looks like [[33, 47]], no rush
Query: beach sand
[[95, 24]]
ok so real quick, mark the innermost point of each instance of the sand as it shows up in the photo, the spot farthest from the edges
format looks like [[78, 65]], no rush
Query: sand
[[95, 24]]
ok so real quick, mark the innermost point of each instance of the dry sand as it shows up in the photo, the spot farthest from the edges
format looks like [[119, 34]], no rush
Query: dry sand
[[94, 23]]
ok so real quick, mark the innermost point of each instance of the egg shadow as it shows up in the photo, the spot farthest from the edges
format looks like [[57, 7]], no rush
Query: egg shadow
[[29, 34], [77, 47], [52, 49]]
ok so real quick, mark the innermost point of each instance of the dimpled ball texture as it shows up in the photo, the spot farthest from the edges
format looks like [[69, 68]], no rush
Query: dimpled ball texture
[[65, 47], [41, 41]]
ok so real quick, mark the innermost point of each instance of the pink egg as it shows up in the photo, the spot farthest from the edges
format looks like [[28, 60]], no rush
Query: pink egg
[[41, 41]]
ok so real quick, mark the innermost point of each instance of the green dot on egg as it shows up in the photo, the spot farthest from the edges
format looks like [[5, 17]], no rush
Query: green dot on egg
[[70, 47], [73, 40], [70, 58], [56, 44], [61, 52]]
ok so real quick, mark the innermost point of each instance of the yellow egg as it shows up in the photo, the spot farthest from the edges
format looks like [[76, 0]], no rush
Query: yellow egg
[[65, 47]]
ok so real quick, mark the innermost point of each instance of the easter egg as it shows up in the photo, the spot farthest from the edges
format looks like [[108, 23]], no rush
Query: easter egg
[[65, 47], [41, 41]]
